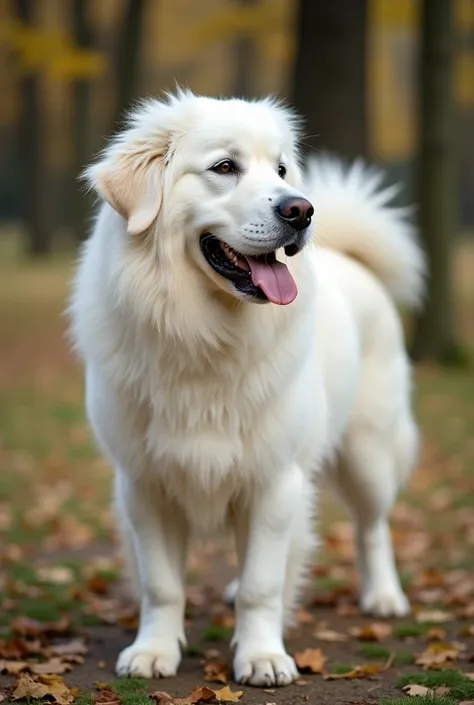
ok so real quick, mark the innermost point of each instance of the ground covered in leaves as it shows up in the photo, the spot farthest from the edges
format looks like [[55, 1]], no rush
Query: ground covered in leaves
[[64, 608]]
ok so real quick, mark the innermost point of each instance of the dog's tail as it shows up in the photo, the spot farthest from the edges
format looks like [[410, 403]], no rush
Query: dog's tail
[[353, 215]]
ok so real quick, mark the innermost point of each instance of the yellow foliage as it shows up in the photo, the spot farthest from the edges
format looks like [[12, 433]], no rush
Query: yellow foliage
[[50, 51], [237, 21]]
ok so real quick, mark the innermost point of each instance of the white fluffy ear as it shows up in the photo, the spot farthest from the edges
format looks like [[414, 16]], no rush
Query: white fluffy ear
[[132, 183]]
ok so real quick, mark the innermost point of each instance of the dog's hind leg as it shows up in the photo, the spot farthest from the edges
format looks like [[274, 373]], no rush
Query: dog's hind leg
[[377, 457], [372, 469]]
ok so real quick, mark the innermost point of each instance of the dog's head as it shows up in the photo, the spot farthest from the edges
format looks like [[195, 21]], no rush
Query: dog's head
[[215, 182]]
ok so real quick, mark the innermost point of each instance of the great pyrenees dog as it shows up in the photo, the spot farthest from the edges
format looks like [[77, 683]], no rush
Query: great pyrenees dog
[[238, 326]]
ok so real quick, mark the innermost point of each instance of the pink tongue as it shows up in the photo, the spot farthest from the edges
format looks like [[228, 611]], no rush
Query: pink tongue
[[274, 279]]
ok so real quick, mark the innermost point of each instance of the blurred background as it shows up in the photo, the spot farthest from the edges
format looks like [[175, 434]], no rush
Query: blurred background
[[389, 80]]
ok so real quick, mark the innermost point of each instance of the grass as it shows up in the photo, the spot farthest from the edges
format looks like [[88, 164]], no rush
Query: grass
[[217, 632], [462, 688], [404, 631], [377, 652]]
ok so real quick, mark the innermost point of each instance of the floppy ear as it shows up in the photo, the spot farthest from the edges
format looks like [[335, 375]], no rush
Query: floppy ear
[[132, 182]]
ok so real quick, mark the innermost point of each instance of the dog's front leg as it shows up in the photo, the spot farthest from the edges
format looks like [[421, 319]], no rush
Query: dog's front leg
[[263, 532], [159, 537]]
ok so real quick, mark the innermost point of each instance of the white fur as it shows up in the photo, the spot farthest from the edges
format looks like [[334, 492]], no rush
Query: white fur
[[216, 412]]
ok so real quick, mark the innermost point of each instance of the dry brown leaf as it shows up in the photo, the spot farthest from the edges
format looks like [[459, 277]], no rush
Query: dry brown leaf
[[216, 672], [42, 686], [304, 617], [54, 666], [466, 702], [371, 632], [13, 667], [434, 616], [324, 634], [3, 696], [29, 688], [107, 696], [437, 654], [226, 695], [75, 647], [366, 671], [98, 585], [470, 676], [310, 660], [24, 626], [161, 698], [436, 634], [199, 695], [16, 648]]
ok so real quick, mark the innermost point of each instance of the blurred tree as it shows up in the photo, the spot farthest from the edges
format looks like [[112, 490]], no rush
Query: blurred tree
[[33, 198], [329, 78], [435, 337], [82, 95], [128, 58], [245, 59]]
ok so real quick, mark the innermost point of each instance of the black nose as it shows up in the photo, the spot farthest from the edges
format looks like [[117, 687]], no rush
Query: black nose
[[295, 211]]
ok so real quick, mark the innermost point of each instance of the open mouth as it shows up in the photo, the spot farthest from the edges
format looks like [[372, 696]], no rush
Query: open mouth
[[262, 278]]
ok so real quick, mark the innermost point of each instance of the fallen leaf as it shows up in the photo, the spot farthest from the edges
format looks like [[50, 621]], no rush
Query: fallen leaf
[[301, 681], [53, 666], [98, 585], [437, 654], [436, 634], [161, 698], [13, 667], [304, 617], [42, 686], [19, 648], [226, 695], [199, 695], [58, 575], [24, 626], [106, 697], [310, 660], [371, 632], [367, 671], [324, 634], [216, 672], [470, 676], [415, 689], [434, 616], [28, 688]]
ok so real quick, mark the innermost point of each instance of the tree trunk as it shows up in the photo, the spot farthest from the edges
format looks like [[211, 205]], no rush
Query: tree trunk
[[329, 78], [30, 154], [437, 193], [82, 95], [245, 62], [128, 59]]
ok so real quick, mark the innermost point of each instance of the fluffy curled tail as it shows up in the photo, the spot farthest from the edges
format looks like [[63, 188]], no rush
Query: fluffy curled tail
[[353, 215]]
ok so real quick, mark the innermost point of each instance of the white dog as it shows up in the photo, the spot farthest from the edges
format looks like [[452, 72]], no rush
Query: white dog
[[215, 410]]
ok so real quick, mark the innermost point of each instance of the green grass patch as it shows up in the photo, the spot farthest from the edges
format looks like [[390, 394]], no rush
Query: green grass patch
[[375, 651], [217, 632], [403, 631], [461, 687]]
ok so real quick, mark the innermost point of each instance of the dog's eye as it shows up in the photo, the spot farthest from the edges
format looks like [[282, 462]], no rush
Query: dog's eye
[[281, 171], [226, 166]]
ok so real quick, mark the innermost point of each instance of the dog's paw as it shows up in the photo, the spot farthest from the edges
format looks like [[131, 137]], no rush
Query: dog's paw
[[386, 603], [265, 670], [150, 659]]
